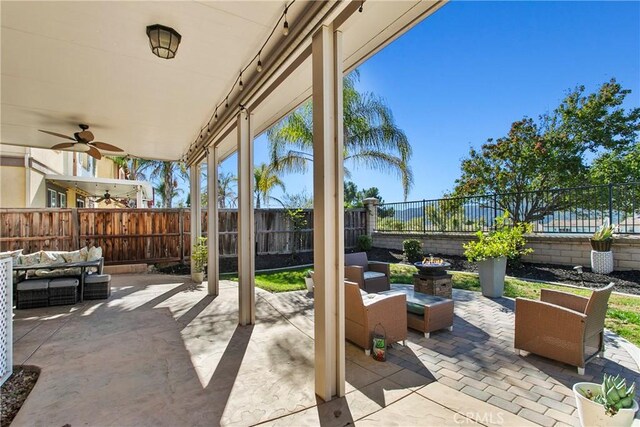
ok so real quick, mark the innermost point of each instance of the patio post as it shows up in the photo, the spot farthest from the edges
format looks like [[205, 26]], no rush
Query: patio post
[[139, 197], [328, 213], [196, 215], [212, 221], [246, 236]]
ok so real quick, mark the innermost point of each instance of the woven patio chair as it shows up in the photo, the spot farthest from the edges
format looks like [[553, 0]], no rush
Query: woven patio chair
[[364, 311], [563, 326], [370, 276]]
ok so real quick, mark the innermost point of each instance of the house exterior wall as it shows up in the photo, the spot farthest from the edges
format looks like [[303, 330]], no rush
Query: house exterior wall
[[23, 170], [563, 250]]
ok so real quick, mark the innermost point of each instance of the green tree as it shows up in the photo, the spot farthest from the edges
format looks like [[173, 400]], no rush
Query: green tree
[[165, 177], [371, 137], [616, 166], [227, 196], [266, 179], [132, 166], [550, 153]]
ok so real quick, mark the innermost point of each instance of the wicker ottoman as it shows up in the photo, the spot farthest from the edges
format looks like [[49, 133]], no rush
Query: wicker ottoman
[[63, 291], [33, 293], [426, 313], [97, 286]]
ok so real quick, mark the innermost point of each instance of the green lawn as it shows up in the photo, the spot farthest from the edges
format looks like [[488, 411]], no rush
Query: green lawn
[[623, 316]]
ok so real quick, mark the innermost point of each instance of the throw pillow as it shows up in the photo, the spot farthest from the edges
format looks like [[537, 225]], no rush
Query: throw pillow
[[95, 253], [76, 256]]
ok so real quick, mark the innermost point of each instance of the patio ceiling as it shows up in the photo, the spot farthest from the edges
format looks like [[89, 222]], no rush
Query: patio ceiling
[[65, 63]]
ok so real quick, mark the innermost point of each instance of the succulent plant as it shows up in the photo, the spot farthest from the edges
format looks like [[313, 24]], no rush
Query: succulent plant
[[615, 394], [604, 232]]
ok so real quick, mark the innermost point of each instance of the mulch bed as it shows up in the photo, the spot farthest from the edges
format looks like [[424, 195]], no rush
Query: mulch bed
[[15, 391], [625, 281]]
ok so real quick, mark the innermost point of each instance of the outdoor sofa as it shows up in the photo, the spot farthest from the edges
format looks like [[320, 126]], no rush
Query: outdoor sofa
[[563, 326], [42, 286]]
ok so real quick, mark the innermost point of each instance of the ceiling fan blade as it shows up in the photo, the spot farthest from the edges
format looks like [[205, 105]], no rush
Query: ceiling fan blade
[[63, 145], [99, 200], [93, 152], [57, 134], [106, 147], [85, 136]]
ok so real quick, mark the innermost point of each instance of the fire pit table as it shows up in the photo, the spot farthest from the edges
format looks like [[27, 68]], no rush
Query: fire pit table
[[432, 277]]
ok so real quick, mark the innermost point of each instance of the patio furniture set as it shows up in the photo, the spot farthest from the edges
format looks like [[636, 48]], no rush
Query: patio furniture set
[[561, 326], [48, 278]]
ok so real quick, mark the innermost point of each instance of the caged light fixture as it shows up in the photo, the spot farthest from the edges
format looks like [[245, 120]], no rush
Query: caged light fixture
[[164, 41]]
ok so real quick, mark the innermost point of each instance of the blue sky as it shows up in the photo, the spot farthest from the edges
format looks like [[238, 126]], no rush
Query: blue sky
[[467, 72]]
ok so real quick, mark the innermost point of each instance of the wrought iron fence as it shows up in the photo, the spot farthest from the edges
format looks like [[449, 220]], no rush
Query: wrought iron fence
[[563, 210]]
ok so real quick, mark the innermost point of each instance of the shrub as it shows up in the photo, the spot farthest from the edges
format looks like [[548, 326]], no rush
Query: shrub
[[364, 243], [390, 224], [412, 250], [200, 254], [507, 241]]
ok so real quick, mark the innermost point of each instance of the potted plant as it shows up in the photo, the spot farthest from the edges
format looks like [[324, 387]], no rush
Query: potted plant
[[308, 280], [603, 238], [200, 255], [611, 403], [491, 251]]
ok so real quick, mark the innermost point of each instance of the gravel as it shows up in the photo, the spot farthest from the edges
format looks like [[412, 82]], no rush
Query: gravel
[[15, 391]]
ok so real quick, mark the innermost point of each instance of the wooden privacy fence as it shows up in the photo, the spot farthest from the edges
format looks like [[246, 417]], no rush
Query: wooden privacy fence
[[129, 236]]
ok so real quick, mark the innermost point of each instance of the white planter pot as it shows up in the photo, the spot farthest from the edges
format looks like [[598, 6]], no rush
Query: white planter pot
[[492, 272], [592, 414], [198, 277], [309, 283]]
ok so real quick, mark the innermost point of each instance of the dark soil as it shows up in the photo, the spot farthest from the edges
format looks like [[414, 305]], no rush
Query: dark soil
[[15, 391], [625, 281]]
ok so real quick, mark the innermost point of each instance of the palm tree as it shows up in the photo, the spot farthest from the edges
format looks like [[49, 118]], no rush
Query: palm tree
[[165, 174], [266, 179], [132, 166], [226, 194], [371, 137]]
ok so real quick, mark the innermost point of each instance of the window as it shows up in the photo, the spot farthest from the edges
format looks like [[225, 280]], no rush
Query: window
[[63, 200], [53, 198], [80, 202], [86, 165]]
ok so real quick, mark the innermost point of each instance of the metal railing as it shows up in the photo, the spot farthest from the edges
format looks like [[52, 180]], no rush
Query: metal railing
[[563, 210]]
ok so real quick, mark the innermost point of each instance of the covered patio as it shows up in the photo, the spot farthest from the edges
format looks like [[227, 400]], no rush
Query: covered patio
[[238, 69], [161, 351]]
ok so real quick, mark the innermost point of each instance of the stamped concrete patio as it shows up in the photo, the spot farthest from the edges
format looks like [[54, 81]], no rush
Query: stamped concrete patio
[[162, 352]]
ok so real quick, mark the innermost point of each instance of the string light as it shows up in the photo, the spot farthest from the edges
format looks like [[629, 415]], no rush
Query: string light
[[285, 29], [259, 67], [360, 8]]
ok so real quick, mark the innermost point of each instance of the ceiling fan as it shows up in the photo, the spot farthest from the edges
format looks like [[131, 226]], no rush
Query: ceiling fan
[[108, 199], [83, 137]]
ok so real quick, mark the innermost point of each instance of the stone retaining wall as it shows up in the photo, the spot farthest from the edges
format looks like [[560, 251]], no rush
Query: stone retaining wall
[[552, 249]]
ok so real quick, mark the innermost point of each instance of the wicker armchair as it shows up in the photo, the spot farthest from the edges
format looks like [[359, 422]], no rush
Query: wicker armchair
[[370, 276], [563, 326], [364, 311]]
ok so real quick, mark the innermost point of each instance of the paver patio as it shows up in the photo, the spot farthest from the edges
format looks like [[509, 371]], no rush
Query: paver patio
[[162, 352]]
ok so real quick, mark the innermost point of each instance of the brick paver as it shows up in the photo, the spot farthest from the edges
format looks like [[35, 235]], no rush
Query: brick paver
[[478, 359]]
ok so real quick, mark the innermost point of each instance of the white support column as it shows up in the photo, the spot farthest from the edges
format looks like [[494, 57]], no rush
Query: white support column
[[212, 224], [328, 213], [196, 221], [246, 237], [139, 204]]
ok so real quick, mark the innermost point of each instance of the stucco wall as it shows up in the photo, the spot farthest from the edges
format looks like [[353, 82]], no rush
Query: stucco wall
[[560, 249], [12, 187]]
